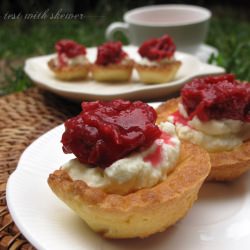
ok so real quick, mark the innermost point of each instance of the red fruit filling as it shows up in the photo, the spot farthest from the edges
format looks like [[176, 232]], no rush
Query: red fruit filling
[[156, 156], [157, 49], [68, 49], [110, 53], [217, 97], [107, 131]]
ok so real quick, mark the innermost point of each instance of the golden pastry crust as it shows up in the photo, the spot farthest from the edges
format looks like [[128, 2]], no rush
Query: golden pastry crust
[[166, 109], [158, 74], [141, 213], [113, 72], [69, 73], [225, 165]]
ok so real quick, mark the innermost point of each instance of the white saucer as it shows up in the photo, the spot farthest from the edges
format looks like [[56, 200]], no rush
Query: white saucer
[[205, 51]]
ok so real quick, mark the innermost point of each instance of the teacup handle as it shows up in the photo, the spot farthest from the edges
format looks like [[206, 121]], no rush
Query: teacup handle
[[114, 27]]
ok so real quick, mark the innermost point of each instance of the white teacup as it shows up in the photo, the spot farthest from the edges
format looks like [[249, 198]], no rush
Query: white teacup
[[186, 24]]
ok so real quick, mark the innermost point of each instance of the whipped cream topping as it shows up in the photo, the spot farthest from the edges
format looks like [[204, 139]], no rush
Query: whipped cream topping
[[78, 60], [125, 61], [138, 170], [213, 135]]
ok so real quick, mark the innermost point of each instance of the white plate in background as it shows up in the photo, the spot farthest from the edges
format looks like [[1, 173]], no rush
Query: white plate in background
[[37, 69]]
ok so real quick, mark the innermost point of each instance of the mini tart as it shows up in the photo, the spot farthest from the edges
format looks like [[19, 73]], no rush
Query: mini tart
[[141, 213], [112, 72], [225, 165], [158, 74], [69, 73]]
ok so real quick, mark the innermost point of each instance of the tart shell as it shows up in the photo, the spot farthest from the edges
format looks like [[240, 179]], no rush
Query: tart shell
[[112, 72], [225, 165], [158, 74], [69, 73], [141, 213]]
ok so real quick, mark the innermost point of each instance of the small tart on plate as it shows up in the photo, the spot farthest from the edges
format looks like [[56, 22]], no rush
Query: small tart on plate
[[71, 62], [140, 213], [130, 179], [228, 107], [112, 64], [158, 64]]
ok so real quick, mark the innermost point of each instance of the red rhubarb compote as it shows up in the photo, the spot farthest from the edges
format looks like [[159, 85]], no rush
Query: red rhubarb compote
[[68, 49], [110, 53], [157, 49], [217, 97], [107, 131]]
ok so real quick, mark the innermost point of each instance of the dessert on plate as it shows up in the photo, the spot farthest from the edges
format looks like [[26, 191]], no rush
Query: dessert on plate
[[158, 63], [214, 112], [112, 63], [70, 62], [131, 177]]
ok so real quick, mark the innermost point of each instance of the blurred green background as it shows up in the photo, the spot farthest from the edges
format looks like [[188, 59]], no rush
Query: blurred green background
[[19, 38]]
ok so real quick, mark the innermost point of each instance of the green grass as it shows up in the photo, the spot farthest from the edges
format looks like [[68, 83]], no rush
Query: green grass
[[26, 39], [232, 39], [16, 81], [39, 38]]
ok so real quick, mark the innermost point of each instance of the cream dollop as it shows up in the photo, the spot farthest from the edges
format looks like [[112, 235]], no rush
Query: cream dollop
[[126, 61], [136, 171], [78, 60], [213, 135]]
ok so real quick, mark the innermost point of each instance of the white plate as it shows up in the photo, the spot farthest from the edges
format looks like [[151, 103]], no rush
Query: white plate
[[36, 68], [220, 219]]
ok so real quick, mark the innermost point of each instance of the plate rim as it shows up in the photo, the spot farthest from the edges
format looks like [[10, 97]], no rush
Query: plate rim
[[9, 188]]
